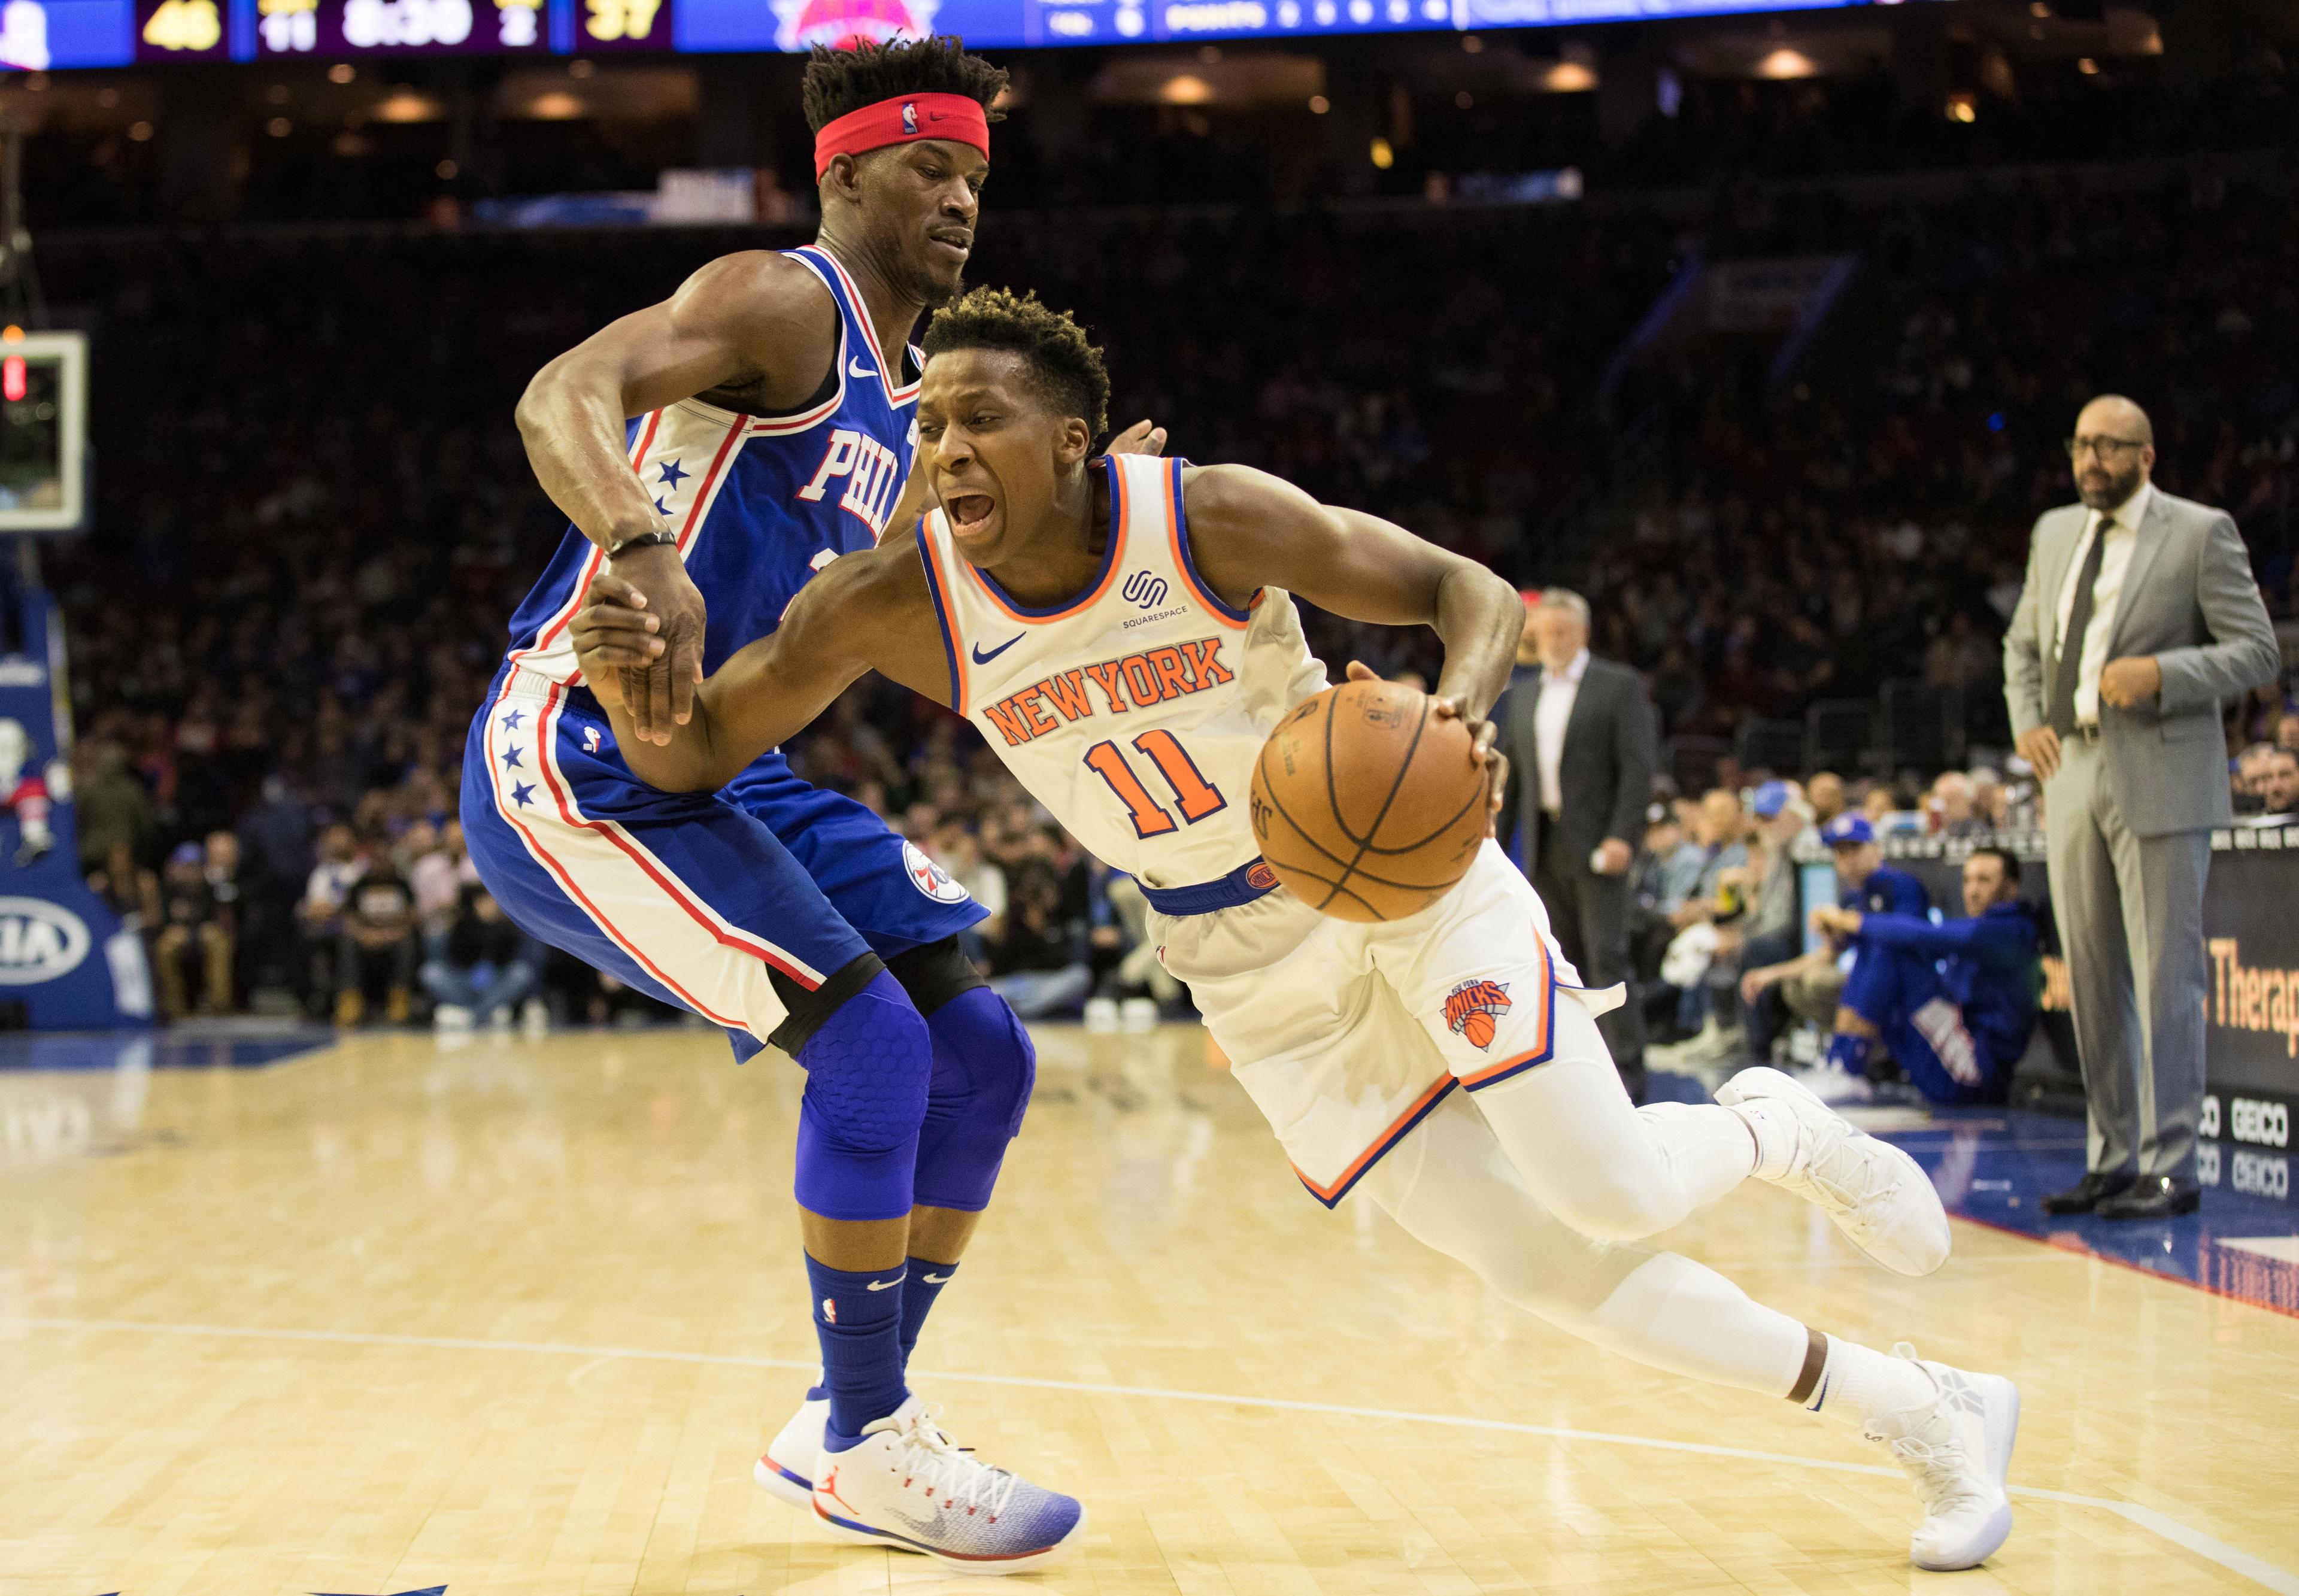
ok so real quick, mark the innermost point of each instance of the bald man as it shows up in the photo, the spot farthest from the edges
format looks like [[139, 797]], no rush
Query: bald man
[[2140, 617]]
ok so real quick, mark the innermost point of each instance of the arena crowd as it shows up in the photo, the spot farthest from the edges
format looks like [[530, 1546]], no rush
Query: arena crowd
[[301, 573]]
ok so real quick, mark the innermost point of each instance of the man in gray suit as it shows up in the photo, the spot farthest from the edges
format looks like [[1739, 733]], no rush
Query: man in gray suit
[[2140, 617], [1579, 736]]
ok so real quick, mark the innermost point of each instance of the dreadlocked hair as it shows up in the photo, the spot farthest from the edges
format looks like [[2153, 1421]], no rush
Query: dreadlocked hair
[[838, 82], [1066, 367]]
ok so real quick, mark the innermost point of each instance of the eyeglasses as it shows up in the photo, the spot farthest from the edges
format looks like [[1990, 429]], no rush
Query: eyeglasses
[[2107, 448]]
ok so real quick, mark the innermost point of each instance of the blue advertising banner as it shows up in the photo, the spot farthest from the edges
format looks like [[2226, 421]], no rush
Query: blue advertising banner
[[67, 963]]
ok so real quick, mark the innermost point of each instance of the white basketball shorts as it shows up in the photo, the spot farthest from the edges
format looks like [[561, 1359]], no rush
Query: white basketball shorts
[[1346, 1035]]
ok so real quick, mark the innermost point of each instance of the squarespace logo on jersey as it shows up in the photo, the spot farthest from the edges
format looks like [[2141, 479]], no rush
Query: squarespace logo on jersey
[[39, 942], [1149, 677], [2244, 998]]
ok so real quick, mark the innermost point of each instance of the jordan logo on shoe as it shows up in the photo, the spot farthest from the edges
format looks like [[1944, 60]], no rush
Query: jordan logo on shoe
[[828, 1486]]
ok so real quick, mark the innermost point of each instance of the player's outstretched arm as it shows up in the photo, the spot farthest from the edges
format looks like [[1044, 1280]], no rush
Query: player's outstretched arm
[[1250, 530], [757, 324], [864, 611]]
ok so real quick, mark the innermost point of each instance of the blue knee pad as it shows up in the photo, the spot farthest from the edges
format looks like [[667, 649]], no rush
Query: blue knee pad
[[867, 1067], [984, 1069]]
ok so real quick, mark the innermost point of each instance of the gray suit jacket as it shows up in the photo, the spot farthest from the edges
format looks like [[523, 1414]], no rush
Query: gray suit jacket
[[1610, 752], [2190, 599]]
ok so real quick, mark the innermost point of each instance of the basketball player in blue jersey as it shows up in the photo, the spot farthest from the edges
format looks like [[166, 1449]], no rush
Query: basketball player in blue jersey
[[719, 449], [1121, 631]]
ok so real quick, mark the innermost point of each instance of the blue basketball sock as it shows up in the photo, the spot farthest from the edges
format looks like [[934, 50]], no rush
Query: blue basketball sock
[[922, 1283], [1850, 1053], [857, 1317]]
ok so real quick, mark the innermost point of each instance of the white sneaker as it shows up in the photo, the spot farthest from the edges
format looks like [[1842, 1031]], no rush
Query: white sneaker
[[1957, 1450], [1694, 1049], [1878, 1196], [786, 1468], [1832, 1083], [907, 1485]]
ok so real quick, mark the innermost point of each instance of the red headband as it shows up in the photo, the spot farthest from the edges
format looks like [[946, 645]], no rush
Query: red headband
[[959, 117]]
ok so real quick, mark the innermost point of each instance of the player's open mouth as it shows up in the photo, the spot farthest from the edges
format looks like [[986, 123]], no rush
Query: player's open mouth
[[969, 514]]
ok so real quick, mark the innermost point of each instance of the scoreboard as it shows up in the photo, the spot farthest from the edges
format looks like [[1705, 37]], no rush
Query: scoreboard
[[41, 35]]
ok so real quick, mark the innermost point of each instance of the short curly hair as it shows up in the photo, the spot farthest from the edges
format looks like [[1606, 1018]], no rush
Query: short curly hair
[[838, 82], [1066, 365]]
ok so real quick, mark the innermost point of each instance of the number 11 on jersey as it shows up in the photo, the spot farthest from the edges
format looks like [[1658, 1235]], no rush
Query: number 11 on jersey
[[1193, 794]]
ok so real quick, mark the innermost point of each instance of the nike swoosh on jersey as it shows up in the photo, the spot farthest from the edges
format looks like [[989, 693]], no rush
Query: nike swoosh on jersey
[[855, 367], [982, 659]]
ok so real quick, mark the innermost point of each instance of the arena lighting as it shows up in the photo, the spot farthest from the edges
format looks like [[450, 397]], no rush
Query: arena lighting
[[13, 382], [405, 105], [1568, 78], [557, 106], [1785, 64], [1186, 88], [1383, 156], [1319, 104], [1962, 108]]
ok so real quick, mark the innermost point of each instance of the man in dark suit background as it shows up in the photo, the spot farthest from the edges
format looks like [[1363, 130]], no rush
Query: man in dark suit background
[[1580, 736]]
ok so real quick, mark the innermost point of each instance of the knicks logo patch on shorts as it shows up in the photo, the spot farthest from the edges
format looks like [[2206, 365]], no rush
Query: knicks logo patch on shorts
[[1473, 1008]]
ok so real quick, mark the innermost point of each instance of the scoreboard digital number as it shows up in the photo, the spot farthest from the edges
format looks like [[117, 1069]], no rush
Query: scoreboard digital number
[[37, 35], [623, 25], [341, 27]]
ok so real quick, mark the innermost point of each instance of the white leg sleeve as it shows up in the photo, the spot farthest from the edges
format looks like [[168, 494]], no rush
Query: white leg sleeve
[[1450, 1184], [1596, 1160]]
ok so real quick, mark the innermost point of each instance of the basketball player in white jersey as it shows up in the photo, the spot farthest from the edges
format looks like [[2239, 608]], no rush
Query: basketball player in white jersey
[[1121, 631]]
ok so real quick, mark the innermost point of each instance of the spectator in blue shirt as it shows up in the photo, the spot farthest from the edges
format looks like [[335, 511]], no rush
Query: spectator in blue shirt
[[1864, 881], [1954, 1003], [1811, 985]]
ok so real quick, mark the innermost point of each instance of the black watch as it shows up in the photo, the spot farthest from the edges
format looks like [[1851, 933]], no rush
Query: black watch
[[644, 540]]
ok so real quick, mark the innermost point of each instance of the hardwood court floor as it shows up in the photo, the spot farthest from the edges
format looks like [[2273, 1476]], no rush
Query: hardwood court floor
[[516, 1317]]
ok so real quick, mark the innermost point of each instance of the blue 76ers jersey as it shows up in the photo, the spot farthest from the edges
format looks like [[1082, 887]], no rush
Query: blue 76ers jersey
[[758, 504]]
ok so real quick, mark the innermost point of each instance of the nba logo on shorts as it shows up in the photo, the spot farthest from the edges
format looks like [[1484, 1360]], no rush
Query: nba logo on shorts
[[909, 120], [590, 739], [1472, 1008]]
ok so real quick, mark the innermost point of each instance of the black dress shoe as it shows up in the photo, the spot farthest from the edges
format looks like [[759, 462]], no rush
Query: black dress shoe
[[2087, 1193], [2152, 1197]]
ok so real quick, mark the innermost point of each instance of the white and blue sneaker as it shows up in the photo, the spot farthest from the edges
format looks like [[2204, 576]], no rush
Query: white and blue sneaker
[[786, 1469], [907, 1485], [1958, 1451]]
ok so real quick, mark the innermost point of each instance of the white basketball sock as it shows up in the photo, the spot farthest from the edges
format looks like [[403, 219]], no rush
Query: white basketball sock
[[1776, 1131], [1857, 1384]]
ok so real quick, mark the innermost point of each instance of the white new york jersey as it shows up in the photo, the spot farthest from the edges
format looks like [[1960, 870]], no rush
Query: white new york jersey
[[1134, 712]]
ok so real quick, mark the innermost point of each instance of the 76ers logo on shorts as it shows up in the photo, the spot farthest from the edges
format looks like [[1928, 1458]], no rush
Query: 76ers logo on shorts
[[1473, 1008], [930, 878]]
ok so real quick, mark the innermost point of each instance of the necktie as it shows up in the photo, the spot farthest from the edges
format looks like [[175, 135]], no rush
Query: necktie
[[2070, 668]]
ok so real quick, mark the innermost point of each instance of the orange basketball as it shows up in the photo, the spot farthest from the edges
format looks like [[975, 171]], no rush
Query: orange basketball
[[1366, 804]]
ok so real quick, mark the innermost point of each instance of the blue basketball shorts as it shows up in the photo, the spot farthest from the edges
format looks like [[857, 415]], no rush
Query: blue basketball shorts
[[689, 897]]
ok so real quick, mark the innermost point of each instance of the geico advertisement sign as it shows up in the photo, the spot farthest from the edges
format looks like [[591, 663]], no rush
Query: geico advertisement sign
[[2264, 1123], [39, 942]]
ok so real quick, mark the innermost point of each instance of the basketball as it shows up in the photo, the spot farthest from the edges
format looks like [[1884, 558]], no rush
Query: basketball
[[1368, 805]]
